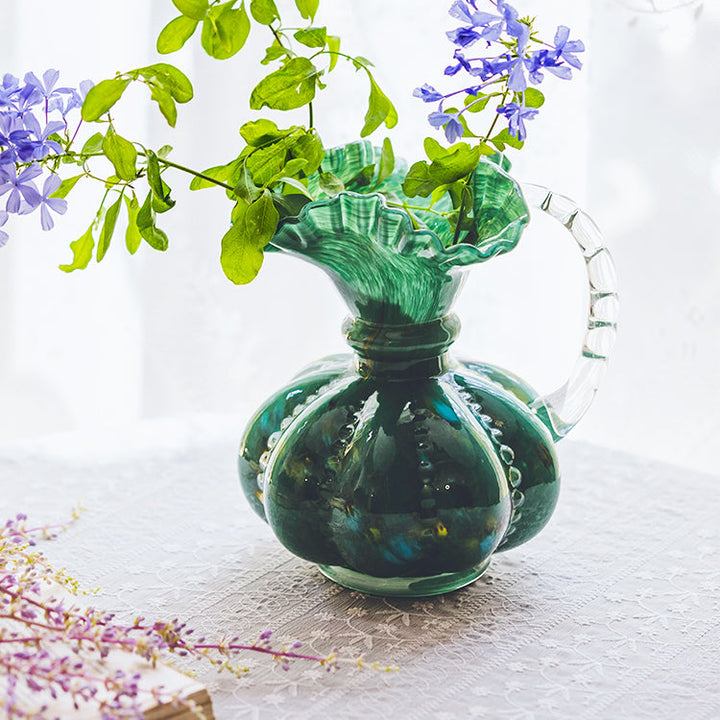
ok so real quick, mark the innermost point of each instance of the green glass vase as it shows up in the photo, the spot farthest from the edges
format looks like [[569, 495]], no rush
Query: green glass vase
[[398, 469]]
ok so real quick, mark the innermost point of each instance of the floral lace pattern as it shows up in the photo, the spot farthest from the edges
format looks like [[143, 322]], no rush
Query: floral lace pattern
[[613, 611]]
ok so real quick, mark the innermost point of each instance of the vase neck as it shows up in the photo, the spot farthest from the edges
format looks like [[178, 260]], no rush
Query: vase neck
[[408, 351]]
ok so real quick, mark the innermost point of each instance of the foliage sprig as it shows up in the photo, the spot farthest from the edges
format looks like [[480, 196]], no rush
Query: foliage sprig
[[269, 180]]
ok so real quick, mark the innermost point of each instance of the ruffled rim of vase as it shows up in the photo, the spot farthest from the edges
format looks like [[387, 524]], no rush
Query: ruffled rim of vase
[[407, 240], [421, 243]]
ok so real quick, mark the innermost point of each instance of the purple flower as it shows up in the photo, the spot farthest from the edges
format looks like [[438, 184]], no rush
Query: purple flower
[[449, 121], [8, 90], [47, 203], [488, 69], [565, 49], [463, 36], [461, 11], [516, 79], [545, 60], [517, 114], [3, 235], [22, 188], [10, 124], [42, 147], [492, 25], [46, 85], [427, 93], [510, 16], [461, 64], [77, 97], [45, 89]]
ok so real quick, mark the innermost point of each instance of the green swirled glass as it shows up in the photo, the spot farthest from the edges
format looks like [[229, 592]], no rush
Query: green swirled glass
[[397, 469]]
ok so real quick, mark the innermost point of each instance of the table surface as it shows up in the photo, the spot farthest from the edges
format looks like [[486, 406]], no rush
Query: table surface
[[612, 612]]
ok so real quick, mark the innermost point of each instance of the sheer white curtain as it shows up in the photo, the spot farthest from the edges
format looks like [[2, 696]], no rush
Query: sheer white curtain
[[631, 139]]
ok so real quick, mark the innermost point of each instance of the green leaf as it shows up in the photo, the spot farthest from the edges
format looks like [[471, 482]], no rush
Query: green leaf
[[145, 217], [266, 162], [297, 184], [145, 222], [225, 30], [238, 211], [309, 147], [102, 97], [162, 202], [504, 138], [361, 62], [165, 102], [170, 78], [155, 238], [195, 9], [66, 186], [274, 52], [476, 103], [93, 144], [313, 37], [439, 192], [221, 173], [240, 258], [419, 181], [307, 8], [261, 219], [242, 246], [331, 184], [175, 34], [292, 167], [290, 205], [533, 98], [333, 44], [380, 110], [434, 150], [387, 162], [82, 251], [290, 87], [108, 229], [261, 132], [459, 162], [164, 151], [264, 11], [133, 238], [153, 173], [121, 153], [245, 187]]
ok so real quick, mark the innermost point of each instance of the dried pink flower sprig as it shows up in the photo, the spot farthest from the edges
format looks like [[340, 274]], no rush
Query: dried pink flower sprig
[[45, 643]]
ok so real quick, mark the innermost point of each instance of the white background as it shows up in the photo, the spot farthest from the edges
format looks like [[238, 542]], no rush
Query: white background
[[633, 140]]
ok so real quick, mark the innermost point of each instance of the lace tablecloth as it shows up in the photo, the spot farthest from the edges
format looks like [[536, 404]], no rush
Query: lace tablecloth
[[612, 612]]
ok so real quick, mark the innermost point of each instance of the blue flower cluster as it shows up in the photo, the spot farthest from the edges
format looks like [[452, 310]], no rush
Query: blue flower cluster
[[507, 72], [32, 113]]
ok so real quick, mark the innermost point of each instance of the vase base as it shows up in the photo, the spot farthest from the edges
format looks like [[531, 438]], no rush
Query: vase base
[[403, 586]]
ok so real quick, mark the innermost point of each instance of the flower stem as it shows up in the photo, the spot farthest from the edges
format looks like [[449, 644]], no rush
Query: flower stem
[[200, 175], [405, 206], [495, 119]]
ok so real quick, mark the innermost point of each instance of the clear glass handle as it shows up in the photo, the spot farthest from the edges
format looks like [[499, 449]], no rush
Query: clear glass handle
[[563, 408]]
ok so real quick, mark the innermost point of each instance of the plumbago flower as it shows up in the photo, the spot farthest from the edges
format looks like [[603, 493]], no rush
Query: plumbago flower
[[45, 642], [509, 62], [32, 144], [513, 57]]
